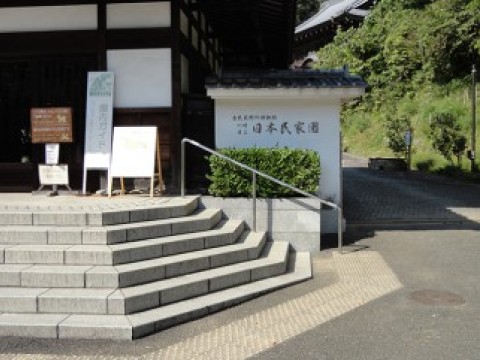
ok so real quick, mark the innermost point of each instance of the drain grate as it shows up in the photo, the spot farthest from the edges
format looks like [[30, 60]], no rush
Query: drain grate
[[435, 297]]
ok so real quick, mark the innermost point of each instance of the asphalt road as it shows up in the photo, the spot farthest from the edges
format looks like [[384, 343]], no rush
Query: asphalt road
[[381, 197], [436, 313]]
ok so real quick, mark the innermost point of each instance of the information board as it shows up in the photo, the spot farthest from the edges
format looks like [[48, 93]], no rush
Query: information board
[[133, 153], [51, 125], [53, 174], [98, 126]]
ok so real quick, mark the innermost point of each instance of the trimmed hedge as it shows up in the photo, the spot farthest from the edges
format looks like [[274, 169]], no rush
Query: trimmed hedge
[[297, 167]]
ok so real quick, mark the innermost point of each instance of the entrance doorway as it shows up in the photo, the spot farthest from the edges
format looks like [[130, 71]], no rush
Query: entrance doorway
[[59, 81]]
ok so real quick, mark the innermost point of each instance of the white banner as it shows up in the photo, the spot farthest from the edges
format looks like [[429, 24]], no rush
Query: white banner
[[98, 127]]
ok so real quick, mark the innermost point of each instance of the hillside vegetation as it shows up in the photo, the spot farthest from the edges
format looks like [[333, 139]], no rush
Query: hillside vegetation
[[416, 56]]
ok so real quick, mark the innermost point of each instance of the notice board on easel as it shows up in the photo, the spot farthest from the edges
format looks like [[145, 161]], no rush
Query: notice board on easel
[[133, 154]]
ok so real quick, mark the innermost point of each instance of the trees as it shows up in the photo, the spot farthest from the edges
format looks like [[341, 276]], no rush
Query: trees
[[414, 55], [306, 9], [446, 136]]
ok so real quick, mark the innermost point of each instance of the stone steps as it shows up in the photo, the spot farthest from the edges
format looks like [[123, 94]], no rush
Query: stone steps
[[139, 298], [111, 234], [126, 327], [129, 274], [96, 215], [225, 233], [124, 270]]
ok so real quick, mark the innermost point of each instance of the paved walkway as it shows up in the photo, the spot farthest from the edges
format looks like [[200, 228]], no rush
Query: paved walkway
[[377, 197], [360, 305]]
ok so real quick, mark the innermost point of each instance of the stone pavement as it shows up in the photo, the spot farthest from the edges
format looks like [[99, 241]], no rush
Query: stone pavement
[[378, 197], [358, 306], [342, 283]]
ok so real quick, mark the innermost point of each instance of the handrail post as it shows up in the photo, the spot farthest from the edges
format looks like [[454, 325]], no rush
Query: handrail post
[[182, 170], [254, 197], [340, 229]]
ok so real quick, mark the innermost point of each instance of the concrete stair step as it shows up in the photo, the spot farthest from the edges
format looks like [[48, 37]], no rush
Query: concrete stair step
[[91, 215], [161, 293], [225, 233], [104, 235], [146, 271], [130, 274], [143, 297], [126, 327], [199, 221]]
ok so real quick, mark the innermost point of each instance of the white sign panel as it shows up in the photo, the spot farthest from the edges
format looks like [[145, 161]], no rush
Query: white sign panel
[[285, 123], [133, 153], [98, 127], [53, 174], [52, 154], [143, 77]]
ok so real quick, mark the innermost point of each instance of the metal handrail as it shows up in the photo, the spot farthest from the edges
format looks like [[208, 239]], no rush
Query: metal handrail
[[254, 185]]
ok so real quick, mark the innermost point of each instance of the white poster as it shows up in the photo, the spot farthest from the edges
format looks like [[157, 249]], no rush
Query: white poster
[[53, 174], [134, 150], [52, 154], [98, 127]]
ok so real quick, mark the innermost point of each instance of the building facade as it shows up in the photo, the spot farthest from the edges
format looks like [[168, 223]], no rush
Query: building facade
[[160, 52]]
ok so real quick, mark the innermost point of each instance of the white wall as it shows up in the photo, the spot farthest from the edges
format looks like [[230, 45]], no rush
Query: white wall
[[142, 77], [138, 15], [48, 18], [313, 113]]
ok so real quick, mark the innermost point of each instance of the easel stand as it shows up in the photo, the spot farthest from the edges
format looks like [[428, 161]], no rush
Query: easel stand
[[52, 174], [125, 159]]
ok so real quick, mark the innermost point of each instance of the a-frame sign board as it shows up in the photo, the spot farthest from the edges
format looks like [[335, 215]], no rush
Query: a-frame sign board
[[135, 152]]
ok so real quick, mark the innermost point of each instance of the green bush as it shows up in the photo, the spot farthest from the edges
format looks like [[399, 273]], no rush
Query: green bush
[[297, 167], [446, 135]]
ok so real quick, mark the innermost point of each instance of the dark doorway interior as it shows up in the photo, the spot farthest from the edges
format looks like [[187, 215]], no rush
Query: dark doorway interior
[[198, 124], [39, 82]]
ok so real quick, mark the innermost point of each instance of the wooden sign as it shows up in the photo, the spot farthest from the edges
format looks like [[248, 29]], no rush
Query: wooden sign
[[51, 125]]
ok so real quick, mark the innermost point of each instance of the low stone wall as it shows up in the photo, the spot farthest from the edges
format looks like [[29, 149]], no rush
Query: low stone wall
[[296, 220]]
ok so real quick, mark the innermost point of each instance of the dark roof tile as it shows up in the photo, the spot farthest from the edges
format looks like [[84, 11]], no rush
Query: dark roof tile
[[286, 79]]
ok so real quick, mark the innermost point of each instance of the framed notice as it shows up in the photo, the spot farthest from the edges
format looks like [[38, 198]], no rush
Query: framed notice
[[133, 153], [53, 174], [98, 127], [52, 154], [51, 125]]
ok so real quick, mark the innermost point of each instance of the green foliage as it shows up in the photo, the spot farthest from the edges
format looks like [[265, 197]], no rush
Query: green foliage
[[297, 167], [396, 128], [446, 136], [404, 43], [416, 56], [306, 9]]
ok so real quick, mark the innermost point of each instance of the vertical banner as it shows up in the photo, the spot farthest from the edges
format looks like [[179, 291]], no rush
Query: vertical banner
[[98, 127]]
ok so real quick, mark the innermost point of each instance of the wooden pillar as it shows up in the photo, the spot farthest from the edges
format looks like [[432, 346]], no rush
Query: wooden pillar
[[176, 121], [102, 35]]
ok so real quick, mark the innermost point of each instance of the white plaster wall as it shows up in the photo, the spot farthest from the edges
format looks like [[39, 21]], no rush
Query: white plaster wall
[[234, 133], [138, 15], [48, 18], [142, 77]]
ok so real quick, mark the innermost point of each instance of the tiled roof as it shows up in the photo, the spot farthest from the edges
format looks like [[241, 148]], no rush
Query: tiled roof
[[332, 10], [287, 79]]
